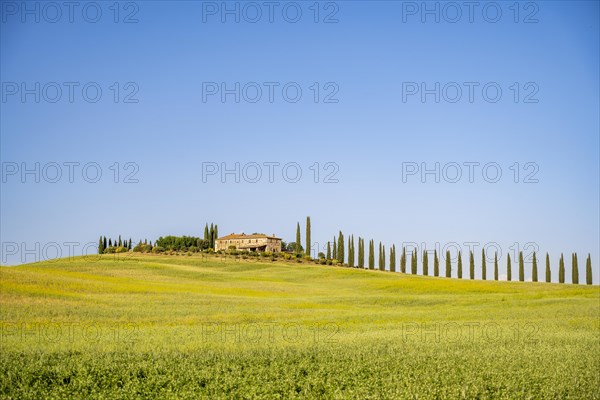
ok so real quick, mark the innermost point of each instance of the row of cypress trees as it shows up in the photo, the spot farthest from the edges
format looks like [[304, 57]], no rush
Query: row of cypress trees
[[338, 254], [339, 250], [104, 243], [211, 234]]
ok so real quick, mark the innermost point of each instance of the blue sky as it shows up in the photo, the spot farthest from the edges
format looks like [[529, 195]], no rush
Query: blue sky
[[373, 51]]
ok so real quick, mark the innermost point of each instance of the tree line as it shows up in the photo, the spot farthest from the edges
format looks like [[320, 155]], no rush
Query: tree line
[[336, 251], [167, 243]]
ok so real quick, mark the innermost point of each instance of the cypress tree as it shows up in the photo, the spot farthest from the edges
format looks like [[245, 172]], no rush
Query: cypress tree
[[362, 245], [380, 257], [341, 253], [351, 251], [120, 244], [425, 264], [211, 234], [105, 244], [403, 260], [534, 275], [436, 264], [361, 253], [100, 246], [575, 270], [548, 273], [561, 269], [383, 258], [393, 258], [328, 250], [109, 242], [496, 266], [459, 267], [371, 254], [471, 265], [483, 268], [413, 266], [129, 244], [206, 237], [521, 267], [308, 236], [216, 234], [298, 239], [448, 265], [334, 248], [588, 270]]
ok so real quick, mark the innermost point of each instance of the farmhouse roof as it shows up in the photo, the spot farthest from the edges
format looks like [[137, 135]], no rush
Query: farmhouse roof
[[244, 236]]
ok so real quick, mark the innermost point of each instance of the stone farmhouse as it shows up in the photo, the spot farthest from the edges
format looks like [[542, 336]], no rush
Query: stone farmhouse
[[255, 242]]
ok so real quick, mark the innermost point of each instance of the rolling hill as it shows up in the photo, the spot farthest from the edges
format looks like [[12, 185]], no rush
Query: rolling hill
[[189, 327]]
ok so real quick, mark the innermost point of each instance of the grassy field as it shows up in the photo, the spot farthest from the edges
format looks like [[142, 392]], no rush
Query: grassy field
[[187, 327]]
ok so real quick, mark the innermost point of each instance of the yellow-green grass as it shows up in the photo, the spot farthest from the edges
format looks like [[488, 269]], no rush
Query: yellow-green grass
[[178, 326]]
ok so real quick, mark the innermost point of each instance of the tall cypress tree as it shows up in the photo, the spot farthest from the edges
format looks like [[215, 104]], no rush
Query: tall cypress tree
[[351, 251], [298, 239], [521, 267], [548, 273], [380, 258], [212, 236], [483, 268], [361, 253], [588, 270], [120, 244], [341, 253], [403, 260], [459, 267], [308, 236], [425, 264], [206, 237], [413, 266], [393, 258], [109, 242], [436, 264], [508, 268], [496, 266], [100, 246], [105, 243], [471, 265], [534, 275], [216, 234], [561, 269], [448, 265], [575, 270], [371, 254], [383, 258], [334, 248], [328, 250]]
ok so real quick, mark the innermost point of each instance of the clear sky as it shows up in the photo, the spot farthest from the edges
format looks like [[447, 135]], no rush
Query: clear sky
[[369, 73]]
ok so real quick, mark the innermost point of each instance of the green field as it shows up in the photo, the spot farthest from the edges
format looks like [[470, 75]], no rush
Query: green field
[[188, 327]]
